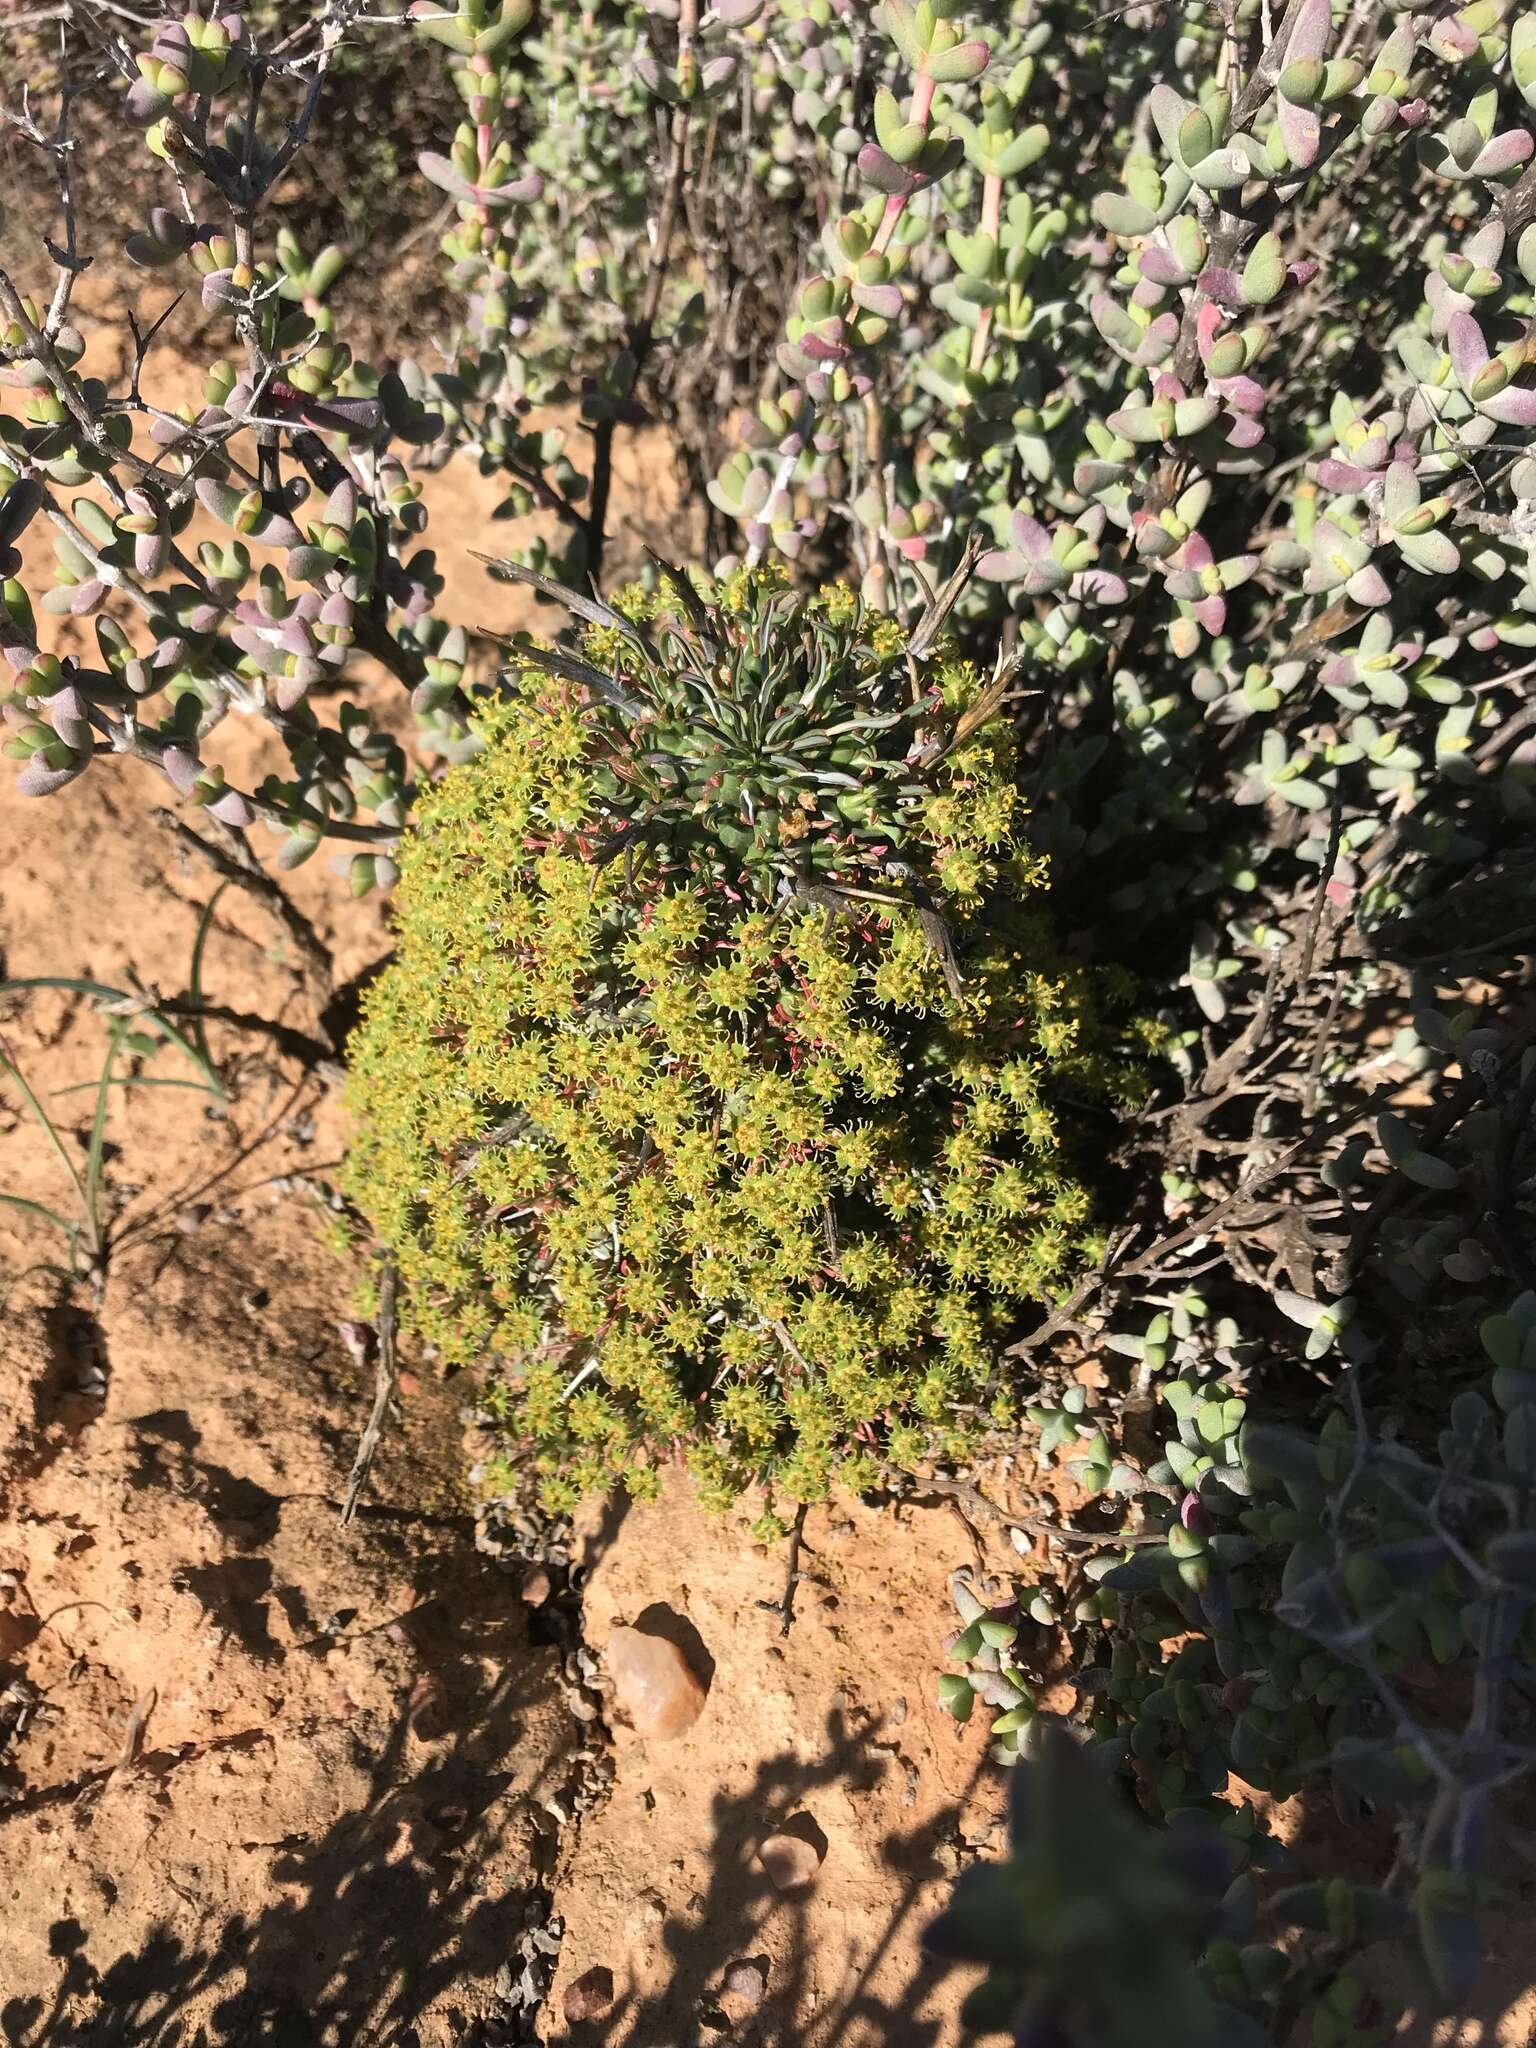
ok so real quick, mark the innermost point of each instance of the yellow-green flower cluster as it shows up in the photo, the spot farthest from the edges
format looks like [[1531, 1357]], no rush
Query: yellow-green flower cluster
[[745, 1183]]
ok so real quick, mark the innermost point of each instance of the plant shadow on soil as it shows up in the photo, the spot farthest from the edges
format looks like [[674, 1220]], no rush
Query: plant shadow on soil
[[368, 1939], [740, 1915], [391, 1914], [375, 1919]]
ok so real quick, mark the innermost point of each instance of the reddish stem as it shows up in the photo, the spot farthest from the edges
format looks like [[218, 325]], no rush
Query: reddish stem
[[991, 224], [920, 113]]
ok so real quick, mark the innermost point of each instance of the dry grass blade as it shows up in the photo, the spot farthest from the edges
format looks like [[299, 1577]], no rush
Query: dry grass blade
[[943, 601], [592, 609]]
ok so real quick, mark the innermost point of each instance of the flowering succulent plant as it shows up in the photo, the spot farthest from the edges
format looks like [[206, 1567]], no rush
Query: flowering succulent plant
[[714, 1088]]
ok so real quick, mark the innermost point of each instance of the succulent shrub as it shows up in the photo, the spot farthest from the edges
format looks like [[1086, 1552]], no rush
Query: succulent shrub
[[717, 1088], [1344, 1615], [1328, 1613], [1090, 1927], [308, 574], [1218, 331], [1215, 336]]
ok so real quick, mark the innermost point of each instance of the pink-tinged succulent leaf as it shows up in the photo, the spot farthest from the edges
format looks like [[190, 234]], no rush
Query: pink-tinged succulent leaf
[[1242, 431], [70, 717], [252, 640], [1114, 323], [1309, 36], [1211, 611], [1369, 587], [1469, 351], [1137, 423], [1161, 265], [1515, 406], [1400, 493], [341, 506], [150, 551], [144, 104], [1091, 476], [439, 171], [1301, 131], [1453, 39], [1043, 579], [827, 346], [1159, 340], [881, 299], [1099, 586], [1222, 284], [1209, 322], [182, 768], [1443, 302], [294, 638], [521, 192], [220, 293], [1029, 535], [1002, 565], [884, 173], [292, 690], [38, 779], [233, 809], [959, 65], [1505, 152], [1243, 394], [1334, 475]]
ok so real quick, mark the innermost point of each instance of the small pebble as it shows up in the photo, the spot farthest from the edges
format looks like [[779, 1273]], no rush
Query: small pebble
[[747, 1981], [589, 1996], [654, 1684], [427, 1715], [790, 1862]]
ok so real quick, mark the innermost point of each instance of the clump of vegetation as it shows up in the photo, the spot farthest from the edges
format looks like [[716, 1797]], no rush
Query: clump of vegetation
[[1343, 1613], [716, 1086], [734, 1083]]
